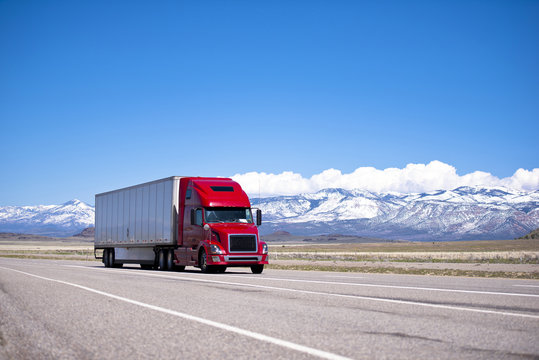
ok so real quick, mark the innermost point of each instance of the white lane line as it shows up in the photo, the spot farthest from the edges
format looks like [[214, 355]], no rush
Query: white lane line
[[532, 286], [359, 284], [393, 301], [376, 285], [248, 333]]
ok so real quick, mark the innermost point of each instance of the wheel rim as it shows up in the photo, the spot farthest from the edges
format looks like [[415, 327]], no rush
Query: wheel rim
[[162, 263], [170, 259], [203, 263]]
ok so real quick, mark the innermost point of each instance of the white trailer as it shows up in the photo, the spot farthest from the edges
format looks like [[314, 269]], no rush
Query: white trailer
[[132, 222]]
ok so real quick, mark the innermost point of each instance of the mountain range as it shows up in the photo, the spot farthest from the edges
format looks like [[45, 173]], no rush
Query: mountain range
[[463, 213], [51, 220]]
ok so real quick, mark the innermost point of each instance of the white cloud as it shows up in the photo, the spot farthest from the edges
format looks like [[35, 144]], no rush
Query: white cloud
[[435, 175], [523, 179]]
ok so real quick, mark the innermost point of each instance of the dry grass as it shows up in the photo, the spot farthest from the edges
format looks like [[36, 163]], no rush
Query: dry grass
[[436, 246], [521, 251], [410, 271], [42, 247], [522, 257], [50, 253], [504, 257]]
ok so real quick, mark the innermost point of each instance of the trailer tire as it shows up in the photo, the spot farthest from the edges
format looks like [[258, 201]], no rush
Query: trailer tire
[[257, 269], [106, 257], [162, 260], [170, 259], [111, 257]]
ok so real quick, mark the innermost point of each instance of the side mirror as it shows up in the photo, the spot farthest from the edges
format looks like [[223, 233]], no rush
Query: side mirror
[[193, 217], [258, 217]]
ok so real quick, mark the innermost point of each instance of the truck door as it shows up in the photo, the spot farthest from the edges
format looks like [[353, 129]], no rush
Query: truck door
[[193, 234]]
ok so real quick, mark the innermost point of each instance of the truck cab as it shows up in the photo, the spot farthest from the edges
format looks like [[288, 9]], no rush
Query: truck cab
[[219, 228]]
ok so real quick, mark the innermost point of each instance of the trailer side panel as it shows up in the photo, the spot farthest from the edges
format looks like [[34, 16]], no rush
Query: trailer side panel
[[141, 215]]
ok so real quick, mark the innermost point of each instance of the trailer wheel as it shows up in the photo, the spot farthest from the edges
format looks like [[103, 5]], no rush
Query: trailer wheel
[[162, 260], [106, 257], [111, 257], [257, 269], [202, 262], [170, 259]]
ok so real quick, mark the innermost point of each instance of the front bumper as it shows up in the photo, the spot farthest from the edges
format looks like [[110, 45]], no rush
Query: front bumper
[[238, 260]]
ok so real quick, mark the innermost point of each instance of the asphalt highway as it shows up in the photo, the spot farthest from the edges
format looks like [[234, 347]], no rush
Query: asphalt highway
[[81, 310]]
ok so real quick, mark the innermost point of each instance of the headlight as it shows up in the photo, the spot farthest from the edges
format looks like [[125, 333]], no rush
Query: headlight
[[265, 248], [214, 249]]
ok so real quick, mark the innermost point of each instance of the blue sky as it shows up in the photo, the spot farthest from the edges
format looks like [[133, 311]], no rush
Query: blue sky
[[96, 95]]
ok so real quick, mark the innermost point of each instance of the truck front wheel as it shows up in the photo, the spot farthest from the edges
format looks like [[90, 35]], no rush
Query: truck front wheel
[[257, 269], [202, 262]]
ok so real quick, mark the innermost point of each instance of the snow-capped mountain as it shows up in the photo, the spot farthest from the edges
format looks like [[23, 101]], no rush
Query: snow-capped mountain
[[462, 213], [53, 220]]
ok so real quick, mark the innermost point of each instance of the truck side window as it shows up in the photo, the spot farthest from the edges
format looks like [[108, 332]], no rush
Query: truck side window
[[198, 217], [188, 194]]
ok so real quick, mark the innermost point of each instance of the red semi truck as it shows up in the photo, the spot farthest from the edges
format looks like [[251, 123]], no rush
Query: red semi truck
[[178, 221]]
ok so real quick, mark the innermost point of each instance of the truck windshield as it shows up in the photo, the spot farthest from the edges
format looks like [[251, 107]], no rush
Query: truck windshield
[[228, 215]]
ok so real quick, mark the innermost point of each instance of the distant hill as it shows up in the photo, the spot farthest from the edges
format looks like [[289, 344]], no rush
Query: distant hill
[[89, 232], [532, 235]]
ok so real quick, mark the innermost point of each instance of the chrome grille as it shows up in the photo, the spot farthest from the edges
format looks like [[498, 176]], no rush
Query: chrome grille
[[242, 243]]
